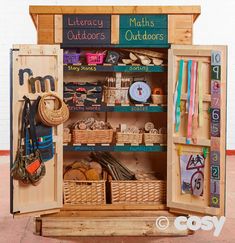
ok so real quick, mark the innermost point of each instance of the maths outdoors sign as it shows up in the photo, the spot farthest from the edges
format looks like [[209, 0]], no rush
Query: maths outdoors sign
[[143, 30], [80, 29]]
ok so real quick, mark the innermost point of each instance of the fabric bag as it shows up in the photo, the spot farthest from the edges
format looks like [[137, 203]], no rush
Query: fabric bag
[[44, 137], [28, 169]]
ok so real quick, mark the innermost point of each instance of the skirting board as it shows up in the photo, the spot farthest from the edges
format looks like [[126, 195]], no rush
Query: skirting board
[[7, 152]]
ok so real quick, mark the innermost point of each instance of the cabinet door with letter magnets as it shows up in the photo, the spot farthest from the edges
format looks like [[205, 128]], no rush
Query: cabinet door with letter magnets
[[196, 129], [36, 70]]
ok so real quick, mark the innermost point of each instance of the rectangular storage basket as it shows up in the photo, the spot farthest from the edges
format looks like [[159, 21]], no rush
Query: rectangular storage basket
[[151, 138], [113, 95], [95, 58], [84, 192], [159, 99], [133, 138], [71, 58], [92, 136], [138, 192], [67, 137]]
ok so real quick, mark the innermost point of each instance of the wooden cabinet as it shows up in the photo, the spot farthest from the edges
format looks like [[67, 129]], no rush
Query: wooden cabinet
[[208, 139]]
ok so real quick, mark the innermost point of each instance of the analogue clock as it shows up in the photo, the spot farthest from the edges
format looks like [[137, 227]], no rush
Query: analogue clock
[[140, 91]]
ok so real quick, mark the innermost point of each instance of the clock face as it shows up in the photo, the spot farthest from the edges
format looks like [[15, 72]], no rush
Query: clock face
[[140, 91]]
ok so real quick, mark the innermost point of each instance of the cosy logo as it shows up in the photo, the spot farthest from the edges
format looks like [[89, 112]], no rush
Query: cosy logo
[[193, 223]]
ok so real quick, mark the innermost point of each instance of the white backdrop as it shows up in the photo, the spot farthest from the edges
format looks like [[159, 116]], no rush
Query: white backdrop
[[215, 25]]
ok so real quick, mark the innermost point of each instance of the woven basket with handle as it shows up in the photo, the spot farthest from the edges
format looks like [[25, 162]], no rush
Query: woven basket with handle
[[53, 117]]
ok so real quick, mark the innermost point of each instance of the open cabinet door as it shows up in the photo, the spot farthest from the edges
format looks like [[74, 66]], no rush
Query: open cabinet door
[[42, 60], [196, 129]]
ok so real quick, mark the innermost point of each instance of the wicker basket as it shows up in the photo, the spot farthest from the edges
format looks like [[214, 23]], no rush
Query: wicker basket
[[133, 138], [138, 192], [55, 116], [92, 136], [114, 95], [150, 138], [95, 58], [159, 99], [71, 58], [84, 192], [67, 137]]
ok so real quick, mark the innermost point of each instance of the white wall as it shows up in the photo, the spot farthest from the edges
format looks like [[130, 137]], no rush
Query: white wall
[[214, 26]]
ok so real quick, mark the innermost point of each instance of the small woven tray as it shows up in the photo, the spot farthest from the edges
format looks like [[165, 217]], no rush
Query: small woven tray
[[133, 138], [151, 138], [67, 137], [84, 192], [138, 192], [92, 136], [159, 99]]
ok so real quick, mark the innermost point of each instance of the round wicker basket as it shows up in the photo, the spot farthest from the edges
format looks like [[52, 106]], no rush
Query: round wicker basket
[[53, 117]]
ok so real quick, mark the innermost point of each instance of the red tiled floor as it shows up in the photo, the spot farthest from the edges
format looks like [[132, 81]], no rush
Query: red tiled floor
[[20, 230]]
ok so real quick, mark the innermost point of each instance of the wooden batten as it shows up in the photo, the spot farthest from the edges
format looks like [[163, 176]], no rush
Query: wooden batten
[[115, 29], [58, 26]]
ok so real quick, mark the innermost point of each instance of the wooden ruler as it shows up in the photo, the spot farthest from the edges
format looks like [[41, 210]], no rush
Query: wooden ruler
[[215, 129]]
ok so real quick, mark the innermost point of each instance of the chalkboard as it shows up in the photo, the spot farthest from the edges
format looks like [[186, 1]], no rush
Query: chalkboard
[[146, 21], [143, 36], [86, 29], [143, 30]]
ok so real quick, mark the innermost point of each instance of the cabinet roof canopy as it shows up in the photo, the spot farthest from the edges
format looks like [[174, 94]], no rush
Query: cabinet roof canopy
[[172, 10]]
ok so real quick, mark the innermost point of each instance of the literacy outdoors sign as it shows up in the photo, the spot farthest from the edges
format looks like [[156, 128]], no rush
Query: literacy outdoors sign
[[139, 30], [86, 29]]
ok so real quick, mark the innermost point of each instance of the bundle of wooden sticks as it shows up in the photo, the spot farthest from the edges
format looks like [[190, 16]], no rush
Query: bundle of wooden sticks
[[116, 169]]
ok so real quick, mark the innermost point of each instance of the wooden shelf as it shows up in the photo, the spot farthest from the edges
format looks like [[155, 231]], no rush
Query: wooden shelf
[[200, 141], [119, 108], [115, 148], [117, 68]]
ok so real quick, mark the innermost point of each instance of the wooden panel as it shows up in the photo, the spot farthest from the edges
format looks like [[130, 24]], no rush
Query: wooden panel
[[107, 226], [115, 29], [48, 194], [180, 29], [177, 140], [45, 29], [58, 28]]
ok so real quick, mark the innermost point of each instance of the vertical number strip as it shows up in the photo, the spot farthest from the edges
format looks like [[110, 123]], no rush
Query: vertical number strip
[[215, 129]]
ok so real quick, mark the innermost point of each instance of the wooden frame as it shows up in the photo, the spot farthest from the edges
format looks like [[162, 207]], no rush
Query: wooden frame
[[176, 200]]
